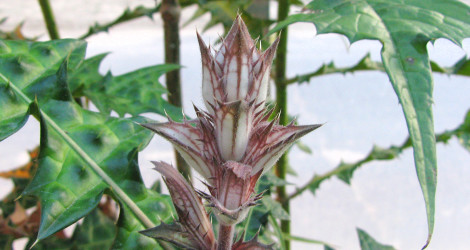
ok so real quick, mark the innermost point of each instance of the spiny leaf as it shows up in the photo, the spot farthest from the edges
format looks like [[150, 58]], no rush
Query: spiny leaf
[[86, 74], [376, 153], [368, 243], [82, 153], [275, 208], [404, 28], [128, 236], [255, 222], [365, 63], [462, 67], [133, 93], [345, 171], [463, 133], [268, 180], [224, 12], [127, 15], [96, 232], [24, 63]]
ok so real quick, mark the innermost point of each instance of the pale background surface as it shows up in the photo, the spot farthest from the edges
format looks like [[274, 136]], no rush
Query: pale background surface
[[359, 110]]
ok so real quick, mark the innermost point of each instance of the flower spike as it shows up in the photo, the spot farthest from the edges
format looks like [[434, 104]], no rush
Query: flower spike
[[231, 144]]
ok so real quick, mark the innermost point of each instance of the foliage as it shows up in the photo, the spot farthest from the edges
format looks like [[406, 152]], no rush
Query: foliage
[[69, 183], [368, 243], [404, 33]]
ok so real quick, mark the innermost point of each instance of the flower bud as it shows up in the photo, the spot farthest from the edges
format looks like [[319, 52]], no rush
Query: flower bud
[[238, 72]]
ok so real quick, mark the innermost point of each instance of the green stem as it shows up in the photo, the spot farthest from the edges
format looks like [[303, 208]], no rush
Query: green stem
[[171, 10], [281, 104], [128, 15], [394, 152], [86, 158], [365, 64], [49, 19]]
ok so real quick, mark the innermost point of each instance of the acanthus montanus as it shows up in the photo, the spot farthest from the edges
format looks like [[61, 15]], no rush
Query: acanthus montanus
[[230, 145]]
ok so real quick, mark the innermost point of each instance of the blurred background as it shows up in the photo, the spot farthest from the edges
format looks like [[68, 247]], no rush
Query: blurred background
[[359, 110]]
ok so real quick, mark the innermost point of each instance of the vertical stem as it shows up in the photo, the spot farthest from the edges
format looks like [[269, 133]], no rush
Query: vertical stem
[[49, 19], [224, 242], [281, 103], [170, 10]]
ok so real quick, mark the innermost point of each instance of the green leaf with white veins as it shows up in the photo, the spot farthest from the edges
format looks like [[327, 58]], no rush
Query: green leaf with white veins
[[27, 63], [403, 27], [82, 153]]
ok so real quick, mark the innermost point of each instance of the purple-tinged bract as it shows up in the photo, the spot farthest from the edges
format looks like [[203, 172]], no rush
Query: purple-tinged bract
[[233, 143]]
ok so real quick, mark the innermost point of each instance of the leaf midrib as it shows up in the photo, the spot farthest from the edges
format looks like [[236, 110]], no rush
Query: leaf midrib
[[87, 159]]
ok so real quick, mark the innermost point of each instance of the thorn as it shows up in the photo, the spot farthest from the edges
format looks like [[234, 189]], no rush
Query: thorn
[[34, 244], [168, 116], [291, 123]]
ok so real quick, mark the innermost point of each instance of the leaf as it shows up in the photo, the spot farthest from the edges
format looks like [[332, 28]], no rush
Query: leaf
[[152, 204], [404, 28], [365, 63], [368, 243], [174, 233], [24, 63], [463, 132], [86, 74], [275, 208], [255, 222], [303, 147], [305, 240], [462, 67], [224, 12], [268, 180], [127, 15], [347, 169], [344, 171], [128, 236], [134, 93], [96, 232], [82, 153], [277, 230]]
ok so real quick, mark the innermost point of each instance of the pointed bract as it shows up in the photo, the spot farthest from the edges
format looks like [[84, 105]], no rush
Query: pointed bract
[[174, 233], [252, 244], [188, 140], [191, 213], [270, 142]]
